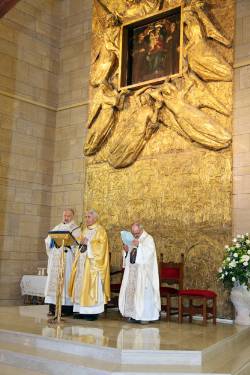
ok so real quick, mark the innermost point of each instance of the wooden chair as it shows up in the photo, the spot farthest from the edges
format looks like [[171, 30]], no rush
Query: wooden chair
[[170, 273], [202, 302]]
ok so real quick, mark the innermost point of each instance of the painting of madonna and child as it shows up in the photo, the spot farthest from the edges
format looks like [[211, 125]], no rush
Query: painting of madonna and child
[[153, 49]]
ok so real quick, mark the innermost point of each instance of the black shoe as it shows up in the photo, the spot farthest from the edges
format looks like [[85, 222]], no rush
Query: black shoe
[[77, 316], [90, 317], [131, 320]]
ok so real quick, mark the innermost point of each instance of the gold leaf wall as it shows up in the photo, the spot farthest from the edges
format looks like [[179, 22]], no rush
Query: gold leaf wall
[[178, 181]]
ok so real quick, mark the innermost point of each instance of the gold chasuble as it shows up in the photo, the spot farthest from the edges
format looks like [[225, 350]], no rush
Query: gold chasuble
[[91, 271]]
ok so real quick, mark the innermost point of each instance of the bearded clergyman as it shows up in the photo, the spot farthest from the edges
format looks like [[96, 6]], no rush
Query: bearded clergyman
[[139, 298], [90, 277], [54, 255]]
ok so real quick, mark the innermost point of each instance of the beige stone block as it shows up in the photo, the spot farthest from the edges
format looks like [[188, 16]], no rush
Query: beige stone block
[[71, 178], [42, 131], [45, 150], [50, 65], [241, 143], [242, 51], [21, 71], [7, 33], [23, 195], [15, 207], [21, 18], [239, 31], [73, 197], [67, 166], [241, 125], [57, 199], [50, 31], [41, 197], [38, 210], [241, 171], [27, 8], [7, 192], [245, 76], [63, 118], [242, 8], [44, 165], [8, 48], [78, 165], [79, 114], [241, 201], [241, 159], [241, 184], [31, 57], [7, 65], [241, 112]]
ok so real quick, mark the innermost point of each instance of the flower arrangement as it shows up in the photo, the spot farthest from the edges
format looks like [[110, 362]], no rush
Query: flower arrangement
[[235, 269]]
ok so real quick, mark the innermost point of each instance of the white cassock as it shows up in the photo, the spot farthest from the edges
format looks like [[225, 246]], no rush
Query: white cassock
[[54, 255], [139, 295]]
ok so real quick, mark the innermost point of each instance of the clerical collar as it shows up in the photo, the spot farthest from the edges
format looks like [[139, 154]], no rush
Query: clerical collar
[[90, 227]]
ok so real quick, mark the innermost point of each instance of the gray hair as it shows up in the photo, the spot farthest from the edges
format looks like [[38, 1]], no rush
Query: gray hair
[[140, 226], [93, 213]]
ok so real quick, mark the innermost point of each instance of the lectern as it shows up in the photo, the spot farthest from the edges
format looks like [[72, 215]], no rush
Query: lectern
[[62, 239]]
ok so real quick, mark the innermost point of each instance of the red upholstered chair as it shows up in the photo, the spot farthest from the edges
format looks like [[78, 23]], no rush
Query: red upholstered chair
[[202, 302], [171, 281]]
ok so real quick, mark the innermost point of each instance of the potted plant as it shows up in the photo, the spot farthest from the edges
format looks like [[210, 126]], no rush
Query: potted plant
[[235, 275]]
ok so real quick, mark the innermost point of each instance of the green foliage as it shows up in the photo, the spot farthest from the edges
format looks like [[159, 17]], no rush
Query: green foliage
[[235, 269]]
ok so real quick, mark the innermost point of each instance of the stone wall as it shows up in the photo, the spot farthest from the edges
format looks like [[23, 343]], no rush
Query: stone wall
[[72, 107], [241, 142], [29, 56], [44, 59]]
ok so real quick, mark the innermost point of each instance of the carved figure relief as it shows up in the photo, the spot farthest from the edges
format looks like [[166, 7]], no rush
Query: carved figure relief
[[204, 67]]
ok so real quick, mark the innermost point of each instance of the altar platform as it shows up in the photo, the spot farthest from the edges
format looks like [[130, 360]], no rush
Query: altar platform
[[29, 345]]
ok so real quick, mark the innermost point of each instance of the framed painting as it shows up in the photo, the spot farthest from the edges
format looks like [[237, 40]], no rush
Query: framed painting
[[151, 49]]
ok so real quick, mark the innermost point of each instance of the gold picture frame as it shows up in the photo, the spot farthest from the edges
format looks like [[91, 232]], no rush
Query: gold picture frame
[[151, 49]]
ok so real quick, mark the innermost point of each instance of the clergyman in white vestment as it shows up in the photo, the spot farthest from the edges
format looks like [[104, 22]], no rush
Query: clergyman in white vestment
[[139, 298], [54, 255]]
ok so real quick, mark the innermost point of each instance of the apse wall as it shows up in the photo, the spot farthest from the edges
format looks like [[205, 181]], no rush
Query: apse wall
[[44, 59]]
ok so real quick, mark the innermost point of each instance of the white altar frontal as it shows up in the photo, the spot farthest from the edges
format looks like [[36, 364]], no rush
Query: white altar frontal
[[29, 344]]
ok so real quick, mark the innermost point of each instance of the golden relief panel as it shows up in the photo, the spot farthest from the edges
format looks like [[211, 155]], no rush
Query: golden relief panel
[[160, 152]]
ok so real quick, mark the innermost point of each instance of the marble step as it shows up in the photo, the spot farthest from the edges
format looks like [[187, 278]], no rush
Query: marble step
[[52, 356], [13, 370], [107, 354]]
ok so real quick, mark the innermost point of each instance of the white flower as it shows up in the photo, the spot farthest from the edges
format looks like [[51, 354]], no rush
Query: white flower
[[234, 240], [246, 234], [238, 245], [220, 270], [233, 278], [227, 247], [245, 258], [248, 252], [232, 264], [245, 264], [226, 273], [238, 235], [235, 255], [228, 258], [248, 242]]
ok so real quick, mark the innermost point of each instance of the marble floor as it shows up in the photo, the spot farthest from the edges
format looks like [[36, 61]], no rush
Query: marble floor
[[111, 330], [30, 345]]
